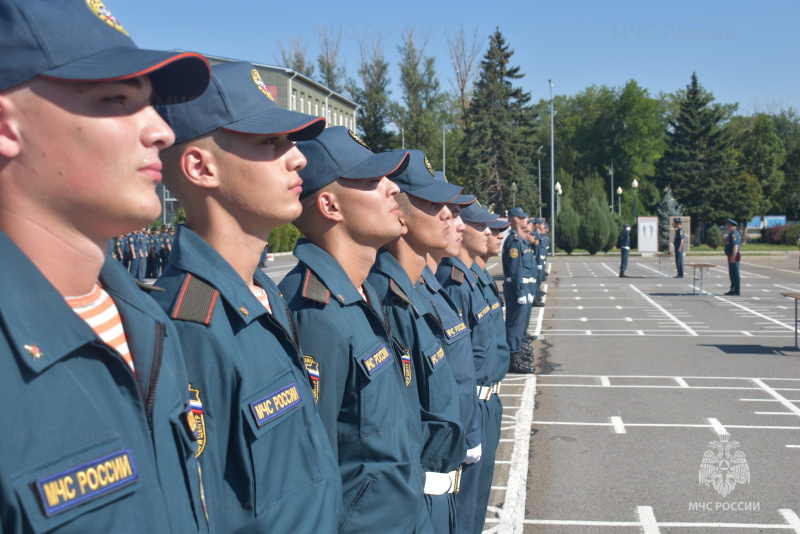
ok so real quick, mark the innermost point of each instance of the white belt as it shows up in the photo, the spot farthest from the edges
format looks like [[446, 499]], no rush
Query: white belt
[[485, 392], [528, 280], [441, 483], [496, 388], [628, 248]]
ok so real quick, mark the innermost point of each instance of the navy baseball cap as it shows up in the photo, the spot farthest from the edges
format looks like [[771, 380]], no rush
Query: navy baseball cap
[[419, 180], [677, 219], [461, 200], [476, 213], [732, 222], [517, 212], [80, 40], [498, 223], [237, 100], [339, 153]]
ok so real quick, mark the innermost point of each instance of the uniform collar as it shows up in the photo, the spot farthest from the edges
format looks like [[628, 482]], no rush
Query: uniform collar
[[41, 327], [329, 272], [192, 254], [401, 285]]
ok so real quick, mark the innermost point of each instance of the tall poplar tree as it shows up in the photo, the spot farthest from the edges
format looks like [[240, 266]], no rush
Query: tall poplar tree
[[498, 141], [372, 96]]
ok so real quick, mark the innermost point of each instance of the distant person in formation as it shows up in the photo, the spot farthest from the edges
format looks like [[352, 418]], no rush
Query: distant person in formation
[[625, 248], [732, 243], [678, 242]]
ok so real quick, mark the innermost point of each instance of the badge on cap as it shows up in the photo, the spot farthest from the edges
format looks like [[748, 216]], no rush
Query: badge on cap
[[34, 351], [358, 140], [428, 166], [102, 12], [261, 85]]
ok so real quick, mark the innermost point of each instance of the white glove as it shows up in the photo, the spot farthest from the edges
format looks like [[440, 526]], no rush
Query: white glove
[[539, 266], [530, 298], [541, 257], [522, 300], [473, 455]]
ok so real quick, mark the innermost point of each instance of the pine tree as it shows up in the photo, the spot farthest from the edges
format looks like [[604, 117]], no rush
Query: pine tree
[[697, 161], [498, 143], [372, 96], [668, 207], [594, 227], [569, 223]]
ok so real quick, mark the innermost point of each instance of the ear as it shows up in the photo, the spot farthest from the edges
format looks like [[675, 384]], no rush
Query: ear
[[329, 206], [200, 167], [10, 145]]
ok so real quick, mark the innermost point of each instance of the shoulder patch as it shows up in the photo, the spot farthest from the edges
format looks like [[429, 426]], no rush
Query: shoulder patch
[[514, 252], [314, 289], [399, 293], [195, 302], [457, 275]]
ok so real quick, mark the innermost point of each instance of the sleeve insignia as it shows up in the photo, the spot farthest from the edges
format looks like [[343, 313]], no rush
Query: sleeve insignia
[[313, 374], [195, 420], [514, 253]]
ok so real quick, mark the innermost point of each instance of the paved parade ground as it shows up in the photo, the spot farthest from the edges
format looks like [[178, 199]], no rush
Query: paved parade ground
[[643, 389]]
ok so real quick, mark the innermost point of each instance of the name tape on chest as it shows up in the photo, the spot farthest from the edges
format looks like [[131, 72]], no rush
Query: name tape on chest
[[437, 357], [77, 485], [268, 409], [455, 330], [376, 360], [483, 312]]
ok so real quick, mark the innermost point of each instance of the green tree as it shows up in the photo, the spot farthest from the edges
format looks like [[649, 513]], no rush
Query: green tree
[[568, 223], [714, 237], [594, 227], [499, 139], [697, 163], [668, 207], [295, 56], [331, 72], [372, 96], [764, 155]]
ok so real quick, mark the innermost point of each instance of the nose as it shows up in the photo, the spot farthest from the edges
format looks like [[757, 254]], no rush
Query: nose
[[392, 188], [156, 132], [295, 160]]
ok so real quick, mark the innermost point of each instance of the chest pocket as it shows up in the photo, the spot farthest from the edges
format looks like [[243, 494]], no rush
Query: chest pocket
[[80, 485], [381, 398], [282, 458]]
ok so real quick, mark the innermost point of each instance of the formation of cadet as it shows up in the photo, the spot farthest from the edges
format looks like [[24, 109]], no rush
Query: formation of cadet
[[358, 395]]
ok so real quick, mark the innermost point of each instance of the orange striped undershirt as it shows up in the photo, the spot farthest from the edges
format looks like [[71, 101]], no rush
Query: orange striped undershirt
[[99, 311], [261, 294]]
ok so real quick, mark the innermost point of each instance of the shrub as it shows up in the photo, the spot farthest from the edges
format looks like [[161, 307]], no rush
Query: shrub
[[283, 238], [714, 237], [594, 229], [568, 225]]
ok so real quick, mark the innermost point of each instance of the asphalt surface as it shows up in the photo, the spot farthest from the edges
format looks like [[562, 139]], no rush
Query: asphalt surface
[[635, 378]]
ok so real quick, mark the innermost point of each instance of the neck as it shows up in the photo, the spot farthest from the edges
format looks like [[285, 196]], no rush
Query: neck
[[412, 262], [465, 256], [481, 262], [354, 258], [70, 261]]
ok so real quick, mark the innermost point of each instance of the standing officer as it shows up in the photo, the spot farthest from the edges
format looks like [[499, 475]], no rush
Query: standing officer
[[516, 286], [234, 171], [349, 212], [625, 249], [732, 244], [461, 283], [415, 328], [96, 423], [678, 242]]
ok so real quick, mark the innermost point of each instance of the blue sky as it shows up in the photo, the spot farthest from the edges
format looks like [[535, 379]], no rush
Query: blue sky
[[742, 51]]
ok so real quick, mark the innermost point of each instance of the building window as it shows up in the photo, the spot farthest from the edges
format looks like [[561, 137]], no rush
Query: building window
[[316, 108], [294, 99], [309, 105], [302, 101]]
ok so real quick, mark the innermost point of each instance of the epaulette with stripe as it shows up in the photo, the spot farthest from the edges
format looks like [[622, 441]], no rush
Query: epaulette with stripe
[[456, 274], [195, 302], [314, 289], [399, 293]]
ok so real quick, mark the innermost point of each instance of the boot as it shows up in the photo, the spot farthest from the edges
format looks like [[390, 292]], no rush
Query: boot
[[518, 365], [538, 303]]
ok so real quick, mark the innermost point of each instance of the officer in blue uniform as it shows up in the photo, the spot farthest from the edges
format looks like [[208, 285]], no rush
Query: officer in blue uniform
[[423, 210], [349, 212], [461, 283], [517, 270], [131, 247], [91, 443], [142, 246], [166, 248], [733, 243], [678, 241], [625, 249], [265, 454]]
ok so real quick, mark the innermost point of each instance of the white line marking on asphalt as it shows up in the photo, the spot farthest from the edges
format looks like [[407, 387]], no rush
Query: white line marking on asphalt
[[787, 288], [648, 519], [639, 332], [717, 426], [588, 332], [774, 393], [604, 381], [748, 334], [681, 382], [697, 377], [539, 320], [773, 413], [790, 327], [513, 512], [619, 427], [630, 320], [793, 446], [669, 425], [791, 518], [665, 312]]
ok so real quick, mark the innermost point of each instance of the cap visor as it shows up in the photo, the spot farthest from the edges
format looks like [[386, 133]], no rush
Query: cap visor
[[439, 192], [464, 200], [499, 224], [175, 75], [299, 126], [383, 164]]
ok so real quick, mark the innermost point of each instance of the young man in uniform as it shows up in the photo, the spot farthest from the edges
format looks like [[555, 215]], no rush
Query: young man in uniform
[[678, 242], [732, 244], [419, 332], [461, 283], [625, 249], [349, 212], [264, 453], [96, 421], [516, 288]]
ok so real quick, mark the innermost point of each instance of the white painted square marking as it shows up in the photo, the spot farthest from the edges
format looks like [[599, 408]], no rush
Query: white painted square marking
[[619, 428]]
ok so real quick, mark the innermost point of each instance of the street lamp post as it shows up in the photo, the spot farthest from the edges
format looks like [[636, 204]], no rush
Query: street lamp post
[[635, 186], [513, 194], [552, 172], [539, 152], [619, 201], [611, 172], [558, 198]]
